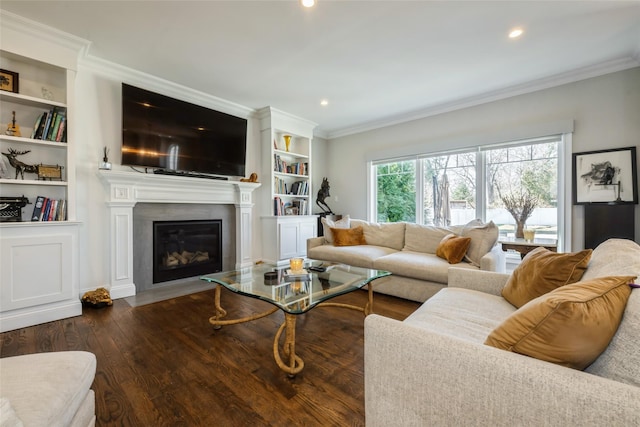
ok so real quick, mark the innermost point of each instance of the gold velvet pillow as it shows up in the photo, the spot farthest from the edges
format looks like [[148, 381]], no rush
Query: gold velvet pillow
[[453, 248], [348, 236], [570, 326], [542, 271]]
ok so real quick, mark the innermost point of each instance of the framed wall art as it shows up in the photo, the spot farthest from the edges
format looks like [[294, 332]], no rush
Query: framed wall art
[[605, 176], [8, 81]]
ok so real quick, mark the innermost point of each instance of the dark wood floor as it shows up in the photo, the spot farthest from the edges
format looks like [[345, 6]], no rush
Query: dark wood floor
[[163, 364]]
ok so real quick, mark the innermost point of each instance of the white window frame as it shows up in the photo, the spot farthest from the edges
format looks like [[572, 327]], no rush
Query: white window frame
[[563, 188]]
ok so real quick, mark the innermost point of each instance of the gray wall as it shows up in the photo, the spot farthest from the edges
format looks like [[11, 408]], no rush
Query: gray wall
[[605, 111]]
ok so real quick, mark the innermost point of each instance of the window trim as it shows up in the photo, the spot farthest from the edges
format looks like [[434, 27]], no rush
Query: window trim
[[564, 212]]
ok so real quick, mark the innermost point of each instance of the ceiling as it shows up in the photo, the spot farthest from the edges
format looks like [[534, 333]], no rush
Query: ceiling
[[376, 62]]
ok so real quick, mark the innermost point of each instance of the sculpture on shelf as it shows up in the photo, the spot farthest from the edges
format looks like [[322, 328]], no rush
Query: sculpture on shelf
[[252, 178], [21, 168], [12, 128], [323, 193]]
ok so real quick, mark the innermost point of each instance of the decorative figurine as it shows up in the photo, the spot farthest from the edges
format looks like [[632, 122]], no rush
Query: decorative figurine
[[252, 178], [323, 193], [21, 168], [13, 129]]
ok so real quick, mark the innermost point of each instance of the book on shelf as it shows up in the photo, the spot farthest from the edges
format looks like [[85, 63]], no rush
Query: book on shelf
[[51, 125], [36, 125], [46, 209]]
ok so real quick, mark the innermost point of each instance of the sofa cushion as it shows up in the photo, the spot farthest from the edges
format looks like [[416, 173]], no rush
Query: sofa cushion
[[483, 238], [453, 248], [423, 238], [359, 256], [389, 234], [571, 325], [621, 360], [327, 225], [466, 314], [348, 236], [417, 265], [8, 417], [47, 389], [542, 271], [614, 257]]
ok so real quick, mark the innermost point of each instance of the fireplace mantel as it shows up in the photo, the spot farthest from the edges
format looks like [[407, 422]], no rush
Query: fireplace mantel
[[125, 189]]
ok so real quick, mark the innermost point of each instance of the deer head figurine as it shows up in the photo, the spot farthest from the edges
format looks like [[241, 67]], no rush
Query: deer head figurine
[[21, 167]]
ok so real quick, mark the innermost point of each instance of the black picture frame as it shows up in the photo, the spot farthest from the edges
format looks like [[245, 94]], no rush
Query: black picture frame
[[605, 176], [9, 81]]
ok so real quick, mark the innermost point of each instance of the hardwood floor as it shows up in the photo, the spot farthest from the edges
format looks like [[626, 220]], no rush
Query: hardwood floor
[[164, 365]]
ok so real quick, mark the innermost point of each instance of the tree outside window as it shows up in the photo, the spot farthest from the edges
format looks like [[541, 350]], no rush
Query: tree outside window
[[522, 188], [396, 191]]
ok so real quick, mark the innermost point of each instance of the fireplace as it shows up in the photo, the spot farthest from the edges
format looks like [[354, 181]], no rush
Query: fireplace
[[184, 249]]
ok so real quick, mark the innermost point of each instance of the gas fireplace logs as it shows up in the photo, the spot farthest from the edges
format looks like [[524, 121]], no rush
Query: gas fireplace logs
[[175, 259]]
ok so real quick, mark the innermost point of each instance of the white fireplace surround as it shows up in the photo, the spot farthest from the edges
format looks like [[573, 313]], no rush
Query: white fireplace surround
[[125, 189]]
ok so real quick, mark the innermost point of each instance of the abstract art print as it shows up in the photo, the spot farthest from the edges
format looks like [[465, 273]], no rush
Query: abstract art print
[[605, 176]]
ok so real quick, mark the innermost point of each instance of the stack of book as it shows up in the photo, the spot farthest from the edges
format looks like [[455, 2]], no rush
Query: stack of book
[[51, 125], [47, 209]]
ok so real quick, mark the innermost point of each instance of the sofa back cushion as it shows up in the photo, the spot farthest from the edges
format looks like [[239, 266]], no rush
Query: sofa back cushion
[[571, 325], [387, 234], [614, 257], [423, 238], [483, 238], [542, 271], [621, 360]]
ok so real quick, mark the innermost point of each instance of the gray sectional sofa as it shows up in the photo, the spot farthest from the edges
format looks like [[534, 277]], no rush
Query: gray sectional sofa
[[433, 368], [409, 252]]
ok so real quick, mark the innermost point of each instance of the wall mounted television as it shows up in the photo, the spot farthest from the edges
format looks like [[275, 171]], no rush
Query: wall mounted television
[[177, 136]]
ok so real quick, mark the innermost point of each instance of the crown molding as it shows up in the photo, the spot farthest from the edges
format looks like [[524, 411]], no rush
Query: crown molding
[[521, 89], [11, 21], [114, 71]]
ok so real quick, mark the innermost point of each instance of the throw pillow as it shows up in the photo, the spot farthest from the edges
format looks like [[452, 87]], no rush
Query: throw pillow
[[453, 248], [483, 238], [542, 271], [348, 236], [570, 326], [327, 225]]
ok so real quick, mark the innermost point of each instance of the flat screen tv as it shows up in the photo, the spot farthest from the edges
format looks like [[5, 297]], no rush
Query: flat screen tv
[[173, 135]]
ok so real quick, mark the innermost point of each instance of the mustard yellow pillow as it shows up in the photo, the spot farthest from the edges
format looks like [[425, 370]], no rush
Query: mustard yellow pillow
[[570, 326], [348, 236], [453, 248], [542, 271]]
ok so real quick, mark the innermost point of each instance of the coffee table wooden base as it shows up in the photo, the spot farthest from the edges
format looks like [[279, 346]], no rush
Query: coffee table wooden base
[[292, 363]]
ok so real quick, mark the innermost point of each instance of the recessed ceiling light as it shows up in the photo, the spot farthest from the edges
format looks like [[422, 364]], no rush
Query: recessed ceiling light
[[308, 3], [515, 33], [324, 102]]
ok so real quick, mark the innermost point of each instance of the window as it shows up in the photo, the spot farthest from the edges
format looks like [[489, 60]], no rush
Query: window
[[511, 184], [396, 191], [522, 187]]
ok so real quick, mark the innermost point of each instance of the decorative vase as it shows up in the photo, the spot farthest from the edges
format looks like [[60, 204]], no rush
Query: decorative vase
[[519, 229], [287, 141]]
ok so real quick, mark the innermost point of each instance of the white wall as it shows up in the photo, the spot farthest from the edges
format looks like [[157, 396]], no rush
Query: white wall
[[605, 111], [99, 112]]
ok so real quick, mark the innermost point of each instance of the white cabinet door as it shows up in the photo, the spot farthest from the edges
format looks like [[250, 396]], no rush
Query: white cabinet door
[[308, 230], [288, 237]]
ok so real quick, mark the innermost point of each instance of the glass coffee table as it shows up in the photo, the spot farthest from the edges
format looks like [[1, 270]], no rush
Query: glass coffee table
[[293, 294]]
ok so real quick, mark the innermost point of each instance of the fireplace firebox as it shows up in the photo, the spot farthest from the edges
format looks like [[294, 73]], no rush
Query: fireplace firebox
[[184, 249]]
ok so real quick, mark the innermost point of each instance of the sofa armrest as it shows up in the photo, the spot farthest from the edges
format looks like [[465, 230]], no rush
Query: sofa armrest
[[414, 377], [489, 282], [314, 241], [494, 260]]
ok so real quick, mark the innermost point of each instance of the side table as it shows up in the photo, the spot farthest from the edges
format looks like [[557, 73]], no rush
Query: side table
[[525, 246]]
